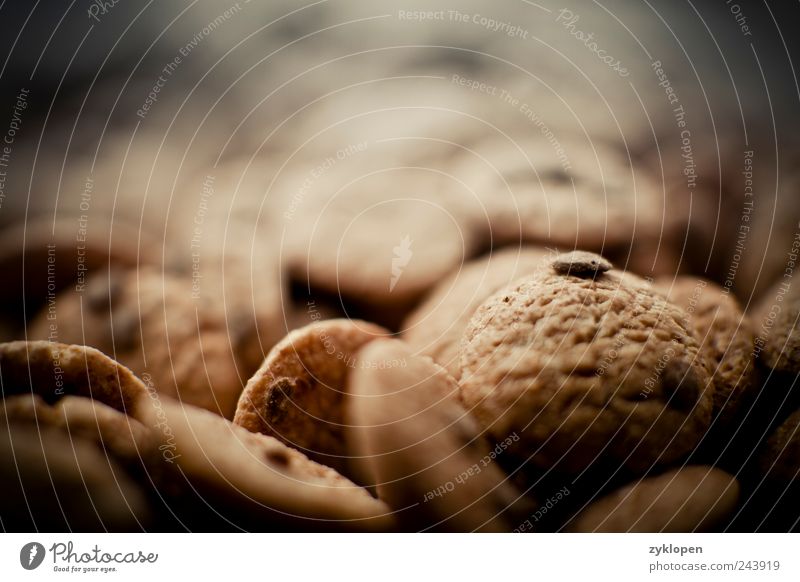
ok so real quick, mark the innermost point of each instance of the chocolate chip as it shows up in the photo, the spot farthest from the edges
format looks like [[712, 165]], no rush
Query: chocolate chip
[[556, 176], [242, 328], [125, 329], [581, 264], [101, 291], [279, 398], [680, 385], [278, 457]]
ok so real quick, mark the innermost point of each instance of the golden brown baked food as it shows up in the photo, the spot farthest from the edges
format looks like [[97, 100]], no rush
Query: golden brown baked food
[[150, 322], [588, 370], [298, 395], [776, 319], [254, 477], [689, 499], [116, 433], [725, 336], [53, 370], [422, 449], [435, 327], [56, 483]]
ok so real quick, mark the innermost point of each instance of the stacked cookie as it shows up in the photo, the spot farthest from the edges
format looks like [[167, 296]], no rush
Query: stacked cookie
[[531, 390]]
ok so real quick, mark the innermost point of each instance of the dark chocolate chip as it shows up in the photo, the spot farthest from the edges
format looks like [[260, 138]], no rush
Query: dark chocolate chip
[[280, 396], [581, 264], [680, 385], [125, 329], [102, 290], [278, 457]]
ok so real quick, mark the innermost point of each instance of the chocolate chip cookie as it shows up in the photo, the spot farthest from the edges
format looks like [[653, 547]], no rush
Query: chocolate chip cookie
[[425, 453], [725, 336], [435, 327], [690, 499], [153, 324], [299, 393], [254, 479], [590, 369]]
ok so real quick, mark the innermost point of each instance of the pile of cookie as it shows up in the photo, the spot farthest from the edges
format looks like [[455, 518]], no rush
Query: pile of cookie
[[359, 270], [523, 389]]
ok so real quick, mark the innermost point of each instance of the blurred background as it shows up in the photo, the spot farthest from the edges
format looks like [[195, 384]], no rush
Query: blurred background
[[119, 112]]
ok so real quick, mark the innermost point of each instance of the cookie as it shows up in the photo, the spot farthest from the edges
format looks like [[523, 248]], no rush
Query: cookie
[[53, 370], [56, 254], [153, 324], [570, 192], [596, 371], [766, 251], [53, 483], [423, 450], [225, 238], [381, 239], [690, 499], [435, 327], [725, 336], [770, 472], [775, 317], [401, 122], [247, 293], [703, 190], [117, 434], [299, 394], [779, 458], [254, 479]]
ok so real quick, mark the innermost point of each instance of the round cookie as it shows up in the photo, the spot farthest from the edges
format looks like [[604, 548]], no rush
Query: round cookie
[[725, 337], [591, 370], [779, 459], [117, 434], [772, 477], [383, 238], [254, 478], [435, 327], [53, 370], [690, 499], [78, 390], [250, 296], [423, 450], [575, 192], [151, 323], [772, 239], [226, 241], [53, 483], [52, 258], [299, 393], [392, 122], [776, 319]]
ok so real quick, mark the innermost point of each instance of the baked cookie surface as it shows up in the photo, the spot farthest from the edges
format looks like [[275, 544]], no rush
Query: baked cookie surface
[[424, 452], [298, 395], [151, 323], [725, 335], [588, 370], [435, 327]]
